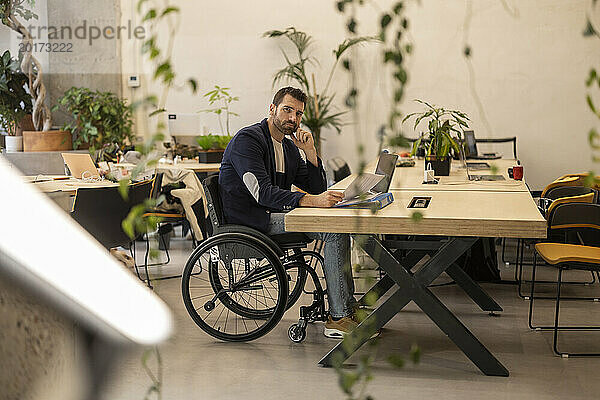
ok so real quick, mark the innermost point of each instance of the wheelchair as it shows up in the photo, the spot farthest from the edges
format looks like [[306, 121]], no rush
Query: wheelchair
[[238, 283]]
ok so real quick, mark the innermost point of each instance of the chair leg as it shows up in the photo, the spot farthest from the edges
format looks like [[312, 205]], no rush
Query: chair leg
[[556, 311], [146, 262], [517, 260], [557, 327], [531, 298], [132, 251]]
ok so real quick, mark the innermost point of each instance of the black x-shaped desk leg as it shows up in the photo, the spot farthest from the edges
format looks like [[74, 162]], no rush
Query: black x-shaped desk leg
[[413, 287]]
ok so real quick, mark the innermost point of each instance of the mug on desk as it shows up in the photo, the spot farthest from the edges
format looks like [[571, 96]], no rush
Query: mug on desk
[[517, 171]]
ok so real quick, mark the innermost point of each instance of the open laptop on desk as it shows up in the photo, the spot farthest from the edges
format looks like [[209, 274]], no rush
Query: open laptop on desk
[[477, 177], [471, 148], [81, 165], [367, 186]]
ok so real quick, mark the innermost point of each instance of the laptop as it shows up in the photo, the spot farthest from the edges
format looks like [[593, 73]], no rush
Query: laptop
[[477, 177], [471, 148], [81, 165], [369, 184]]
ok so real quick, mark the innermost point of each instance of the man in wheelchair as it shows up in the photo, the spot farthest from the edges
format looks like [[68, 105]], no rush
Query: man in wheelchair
[[259, 166]]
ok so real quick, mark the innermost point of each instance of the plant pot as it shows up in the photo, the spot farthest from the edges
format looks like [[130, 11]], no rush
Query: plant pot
[[14, 143], [26, 124], [47, 141], [210, 156], [440, 165]]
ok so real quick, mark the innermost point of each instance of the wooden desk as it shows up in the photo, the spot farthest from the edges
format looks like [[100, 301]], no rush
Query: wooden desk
[[69, 186], [462, 215], [411, 178], [195, 166], [450, 213]]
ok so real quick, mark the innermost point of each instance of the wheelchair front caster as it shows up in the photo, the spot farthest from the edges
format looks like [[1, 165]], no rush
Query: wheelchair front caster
[[296, 333]]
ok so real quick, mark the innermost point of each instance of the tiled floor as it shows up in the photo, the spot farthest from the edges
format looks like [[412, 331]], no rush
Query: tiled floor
[[195, 366]]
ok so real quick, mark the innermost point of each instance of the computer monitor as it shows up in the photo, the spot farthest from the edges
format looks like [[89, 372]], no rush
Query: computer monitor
[[470, 144]]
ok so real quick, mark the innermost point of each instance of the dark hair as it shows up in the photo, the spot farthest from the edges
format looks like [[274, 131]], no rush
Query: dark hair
[[298, 94]]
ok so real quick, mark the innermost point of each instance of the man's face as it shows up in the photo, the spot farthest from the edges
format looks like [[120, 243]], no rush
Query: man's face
[[287, 115]]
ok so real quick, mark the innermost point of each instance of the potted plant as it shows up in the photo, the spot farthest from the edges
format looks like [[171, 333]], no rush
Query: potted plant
[[318, 112], [441, 123], [101, 121], [212, 147], [41, 137], [15, 102]]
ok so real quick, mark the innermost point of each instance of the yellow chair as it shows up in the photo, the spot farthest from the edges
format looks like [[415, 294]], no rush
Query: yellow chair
[[557, 196], [565, 257]]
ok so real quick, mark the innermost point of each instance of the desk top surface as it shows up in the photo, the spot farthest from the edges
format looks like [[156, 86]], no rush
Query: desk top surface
[[458, 207], [196, 166], [411, 178], [65, 184], [450, 213]]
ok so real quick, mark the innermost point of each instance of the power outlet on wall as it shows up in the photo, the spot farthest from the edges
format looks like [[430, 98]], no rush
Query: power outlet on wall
[[133, 81]]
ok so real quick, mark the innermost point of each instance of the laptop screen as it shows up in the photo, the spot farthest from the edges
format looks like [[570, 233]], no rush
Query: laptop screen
[[385, 166], [470, 144]]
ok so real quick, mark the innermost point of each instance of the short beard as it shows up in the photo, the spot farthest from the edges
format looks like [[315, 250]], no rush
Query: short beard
[[279, 125]]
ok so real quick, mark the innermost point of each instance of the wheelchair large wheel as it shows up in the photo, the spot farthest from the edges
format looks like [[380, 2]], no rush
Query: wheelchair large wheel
[[234, 287]]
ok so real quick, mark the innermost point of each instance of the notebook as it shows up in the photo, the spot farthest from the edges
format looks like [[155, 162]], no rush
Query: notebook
[[81, 165], [367, 186]]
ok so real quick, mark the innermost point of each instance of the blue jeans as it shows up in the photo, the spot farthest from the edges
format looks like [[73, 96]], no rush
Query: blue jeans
[[337, 268]]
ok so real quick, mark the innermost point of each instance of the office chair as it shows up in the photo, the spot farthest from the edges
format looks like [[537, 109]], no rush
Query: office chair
[[339, 167], [512, 140], [238, 283], [563, 181], [557, 196], [566, 257]]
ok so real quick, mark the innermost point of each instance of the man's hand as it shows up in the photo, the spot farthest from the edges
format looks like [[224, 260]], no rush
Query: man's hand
[[323, 200], [305, 142]]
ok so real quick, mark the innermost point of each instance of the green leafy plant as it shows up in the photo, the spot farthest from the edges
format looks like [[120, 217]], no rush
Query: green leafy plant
[[10, 12], [318, 113], [220, 97], [213, 142], [100, 119], [206, 142], [15, 102], [441, 123]]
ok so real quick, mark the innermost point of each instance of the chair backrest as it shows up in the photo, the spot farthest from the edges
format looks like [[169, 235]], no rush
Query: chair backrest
[[213, 203], [567, 191], [100, 211], [566, 180], [512, 140], [582, 218], [339, 167], [583, 198], [157, 185]]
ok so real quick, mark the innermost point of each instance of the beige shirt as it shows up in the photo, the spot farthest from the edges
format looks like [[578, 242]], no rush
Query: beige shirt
[[279, 159]]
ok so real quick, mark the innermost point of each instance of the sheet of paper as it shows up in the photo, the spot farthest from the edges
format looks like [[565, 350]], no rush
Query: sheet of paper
[[362, 184]]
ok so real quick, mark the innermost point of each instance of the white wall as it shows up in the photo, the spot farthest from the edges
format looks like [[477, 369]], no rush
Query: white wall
[[529, 70]]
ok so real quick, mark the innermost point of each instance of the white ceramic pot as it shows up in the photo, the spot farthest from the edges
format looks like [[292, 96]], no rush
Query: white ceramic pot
[[14, 143]]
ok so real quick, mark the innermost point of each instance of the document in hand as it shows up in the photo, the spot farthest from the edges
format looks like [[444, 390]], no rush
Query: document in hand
[[361, 185], [376, 201]]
